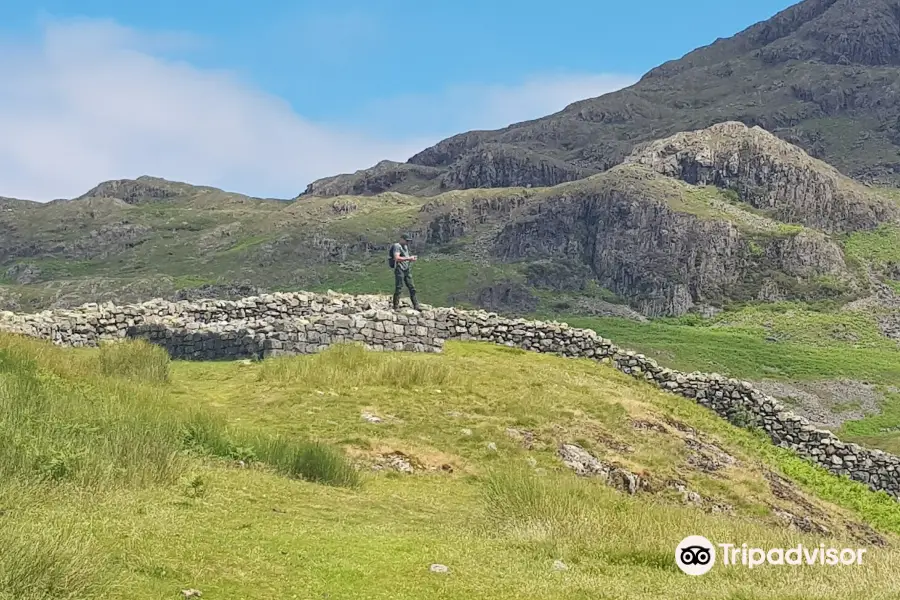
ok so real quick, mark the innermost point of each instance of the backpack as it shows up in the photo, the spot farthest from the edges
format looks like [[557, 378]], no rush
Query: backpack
[[391, 262]]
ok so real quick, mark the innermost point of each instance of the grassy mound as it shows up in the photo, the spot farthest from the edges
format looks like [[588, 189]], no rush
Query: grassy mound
[[348, 473]]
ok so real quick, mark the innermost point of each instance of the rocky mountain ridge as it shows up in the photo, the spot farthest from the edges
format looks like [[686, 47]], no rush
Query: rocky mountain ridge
[[822, 74]]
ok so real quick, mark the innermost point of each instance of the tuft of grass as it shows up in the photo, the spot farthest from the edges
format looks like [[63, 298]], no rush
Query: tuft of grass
[[531, 507], [343, 366], [313, 461], [207, 434], [137, 360]]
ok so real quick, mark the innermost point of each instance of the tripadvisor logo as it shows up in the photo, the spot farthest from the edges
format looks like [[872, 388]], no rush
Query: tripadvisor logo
[[696, 555]]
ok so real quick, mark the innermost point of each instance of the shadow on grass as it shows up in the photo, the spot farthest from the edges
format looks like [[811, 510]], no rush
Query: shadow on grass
[[311, 461]]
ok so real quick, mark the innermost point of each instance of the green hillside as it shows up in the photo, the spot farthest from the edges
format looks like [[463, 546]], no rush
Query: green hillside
[[97, 248]]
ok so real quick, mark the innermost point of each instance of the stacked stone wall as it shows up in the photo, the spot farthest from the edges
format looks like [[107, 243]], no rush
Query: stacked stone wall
[[304, 323]]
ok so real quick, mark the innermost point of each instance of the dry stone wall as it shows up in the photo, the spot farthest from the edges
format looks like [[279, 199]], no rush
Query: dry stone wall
[[302, 323]]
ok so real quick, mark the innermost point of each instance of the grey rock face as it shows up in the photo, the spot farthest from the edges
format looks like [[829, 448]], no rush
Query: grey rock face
[[23, 273], [626, 229], [386, 175], [496, 165], [583, 463], [135, 191]]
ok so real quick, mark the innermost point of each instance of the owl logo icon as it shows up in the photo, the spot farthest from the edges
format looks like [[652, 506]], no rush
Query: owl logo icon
[[695, 555]]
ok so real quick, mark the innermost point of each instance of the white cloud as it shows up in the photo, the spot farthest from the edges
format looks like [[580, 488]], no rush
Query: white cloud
[[95, 101], [466, 107]]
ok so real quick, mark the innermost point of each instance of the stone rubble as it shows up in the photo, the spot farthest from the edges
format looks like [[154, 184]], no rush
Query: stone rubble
[[305, 323], [397, 461], [583, 463]]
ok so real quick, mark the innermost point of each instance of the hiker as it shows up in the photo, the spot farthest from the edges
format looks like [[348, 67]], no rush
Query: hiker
[[401, 261]]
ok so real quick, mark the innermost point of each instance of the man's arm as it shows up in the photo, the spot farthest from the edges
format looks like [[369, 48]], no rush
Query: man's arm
[[399, 258]]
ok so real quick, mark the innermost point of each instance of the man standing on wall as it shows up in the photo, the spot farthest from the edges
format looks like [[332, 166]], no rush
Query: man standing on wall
[[401, 261]]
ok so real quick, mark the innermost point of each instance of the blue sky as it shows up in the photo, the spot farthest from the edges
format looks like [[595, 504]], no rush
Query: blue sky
[[261, 97]]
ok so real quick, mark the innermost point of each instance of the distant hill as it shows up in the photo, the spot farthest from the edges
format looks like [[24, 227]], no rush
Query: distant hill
[[823, 74]]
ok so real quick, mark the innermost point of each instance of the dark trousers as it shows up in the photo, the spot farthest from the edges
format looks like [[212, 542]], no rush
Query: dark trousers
[[402, 278]]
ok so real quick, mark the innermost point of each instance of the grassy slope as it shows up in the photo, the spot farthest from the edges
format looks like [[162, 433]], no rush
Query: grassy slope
[[879, 248], [810, 346], [805, 344], [163, 521]]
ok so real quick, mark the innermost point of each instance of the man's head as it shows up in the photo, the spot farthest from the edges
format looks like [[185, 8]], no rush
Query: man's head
[[404, 238]]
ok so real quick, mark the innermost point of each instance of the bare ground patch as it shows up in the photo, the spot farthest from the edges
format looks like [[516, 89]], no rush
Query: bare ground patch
[[829, 403]]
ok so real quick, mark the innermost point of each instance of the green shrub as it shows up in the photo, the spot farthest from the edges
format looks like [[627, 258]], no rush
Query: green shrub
[[311, 461]]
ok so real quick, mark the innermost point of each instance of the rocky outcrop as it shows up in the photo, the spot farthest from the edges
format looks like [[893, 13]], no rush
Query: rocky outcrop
[[583, 463], [134, 191], [287, 323], [386, 175], [643, 240], [24, 273], [769, 174], [497, 165], [108, 240], [484, 166], [843, 32], [450, 217], [502, 297]]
